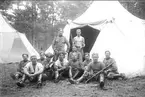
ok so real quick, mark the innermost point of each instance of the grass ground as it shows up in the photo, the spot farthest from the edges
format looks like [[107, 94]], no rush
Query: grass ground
[[134, 87]]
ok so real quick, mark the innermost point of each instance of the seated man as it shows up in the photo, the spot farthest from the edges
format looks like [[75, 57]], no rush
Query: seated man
[[49, 66], [33, 72], [21, 65], [112, 72], [87, 60], [74, 50], [61, 67], [75, 67], [95, 66], [48, 62], [42, 58]]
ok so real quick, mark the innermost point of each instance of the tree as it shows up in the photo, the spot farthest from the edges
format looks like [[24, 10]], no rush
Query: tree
[[35, 17]]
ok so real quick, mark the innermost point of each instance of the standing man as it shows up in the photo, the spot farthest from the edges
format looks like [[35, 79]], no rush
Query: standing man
[[112, 72], [95, 66], [58, 44], [33, 72], [79, 41]]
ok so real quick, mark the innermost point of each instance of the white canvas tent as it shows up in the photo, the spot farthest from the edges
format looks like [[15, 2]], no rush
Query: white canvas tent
[[13, 44], [111, 27]]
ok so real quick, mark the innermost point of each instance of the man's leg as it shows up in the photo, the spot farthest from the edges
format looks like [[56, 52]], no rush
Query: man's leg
[[101, 80], [113, 75], [55, 57], [16, 76], [84, 76], [78, 73], [39, 82], [21, 82], [65, 73]]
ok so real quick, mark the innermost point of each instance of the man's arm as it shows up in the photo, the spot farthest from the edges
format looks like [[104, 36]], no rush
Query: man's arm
[[53, 43], [83, 40], [81, 65], [114, 66], [68, 45], [70, 54], [85, 73], [26, 69], [41, 68], [73, 41], [19, 67], [80, 57]]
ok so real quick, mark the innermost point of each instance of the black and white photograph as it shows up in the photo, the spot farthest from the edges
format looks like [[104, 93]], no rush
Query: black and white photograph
[[70, 48]]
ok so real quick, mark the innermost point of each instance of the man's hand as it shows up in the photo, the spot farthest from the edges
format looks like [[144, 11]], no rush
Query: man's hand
[[31, 75], [55, 51], [106, 71], [67, 50]]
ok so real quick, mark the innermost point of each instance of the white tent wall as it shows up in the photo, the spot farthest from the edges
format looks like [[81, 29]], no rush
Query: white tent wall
[[6, 44], [28, 45], [129, 58], [1, 60], [13, 44], [18, 48], [123, 35]]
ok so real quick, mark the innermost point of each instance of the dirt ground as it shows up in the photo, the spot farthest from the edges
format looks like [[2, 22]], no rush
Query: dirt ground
[[134, 87]]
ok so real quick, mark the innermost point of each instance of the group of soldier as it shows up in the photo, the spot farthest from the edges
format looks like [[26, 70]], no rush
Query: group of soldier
[[76, 66]]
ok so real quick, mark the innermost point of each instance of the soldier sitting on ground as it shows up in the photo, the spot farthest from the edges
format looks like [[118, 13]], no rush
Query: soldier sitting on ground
[[61, 68], [95, 66], [42, 58], [112, 72], [87, 60], [20, 70], [75, 67], [49, 66], [74, 50], [33, 72]]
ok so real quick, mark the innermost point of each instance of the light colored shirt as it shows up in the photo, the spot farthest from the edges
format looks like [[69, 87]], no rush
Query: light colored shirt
[[60, 64], [29, 68], [79, 41]]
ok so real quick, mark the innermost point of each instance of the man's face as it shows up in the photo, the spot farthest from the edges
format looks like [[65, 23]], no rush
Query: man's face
[[78, 32], [48, 58], [107, 54], [60, 33], [87, 57], [61, 57], [34, 59], [74, 56], [25, 57], [74, 48], [42, 55], [95, 57]]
